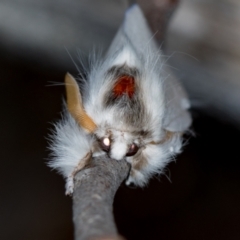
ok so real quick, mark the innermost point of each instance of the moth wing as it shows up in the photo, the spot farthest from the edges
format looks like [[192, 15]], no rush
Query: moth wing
[[176, 116], [134, 31]]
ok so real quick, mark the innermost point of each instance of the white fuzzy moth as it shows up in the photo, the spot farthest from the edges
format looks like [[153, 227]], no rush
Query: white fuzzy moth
[[131, 108]]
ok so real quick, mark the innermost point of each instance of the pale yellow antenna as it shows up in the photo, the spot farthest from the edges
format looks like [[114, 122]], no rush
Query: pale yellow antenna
[[75, 105]]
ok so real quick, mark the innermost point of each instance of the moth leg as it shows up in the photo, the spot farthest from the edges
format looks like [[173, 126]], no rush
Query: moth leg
[[70, 179], [138, 163], [136, 178]]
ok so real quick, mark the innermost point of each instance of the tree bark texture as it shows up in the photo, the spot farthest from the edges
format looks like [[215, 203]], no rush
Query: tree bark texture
[[93, 196]]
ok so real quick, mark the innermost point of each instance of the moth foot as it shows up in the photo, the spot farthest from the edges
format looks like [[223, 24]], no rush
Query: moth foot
[[136, 178], [69, 185], [70, 179]]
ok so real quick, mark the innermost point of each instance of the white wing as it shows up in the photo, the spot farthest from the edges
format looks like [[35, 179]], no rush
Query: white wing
[[176, 117], [136, 32]]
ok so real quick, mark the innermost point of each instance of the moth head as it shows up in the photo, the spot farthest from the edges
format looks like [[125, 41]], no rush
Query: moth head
[[118, 144], [118, 150], [75, 105]]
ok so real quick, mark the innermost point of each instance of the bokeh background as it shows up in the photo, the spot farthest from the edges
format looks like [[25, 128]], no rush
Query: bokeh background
[[198, 198]]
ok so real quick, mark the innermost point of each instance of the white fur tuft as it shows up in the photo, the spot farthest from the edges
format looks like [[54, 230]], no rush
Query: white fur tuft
[[69, 144]]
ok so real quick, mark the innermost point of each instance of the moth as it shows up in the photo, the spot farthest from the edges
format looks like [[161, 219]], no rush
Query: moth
[[130, 107]]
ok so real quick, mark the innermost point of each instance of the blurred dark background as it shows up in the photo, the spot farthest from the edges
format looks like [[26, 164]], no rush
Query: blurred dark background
[[201, 199]]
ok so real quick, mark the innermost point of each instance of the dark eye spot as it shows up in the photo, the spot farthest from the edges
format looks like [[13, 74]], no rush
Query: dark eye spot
[[105, 144], [133, 149]]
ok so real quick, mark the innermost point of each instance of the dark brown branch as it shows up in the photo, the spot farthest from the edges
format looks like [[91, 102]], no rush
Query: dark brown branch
[[94, 191], [158, 14]]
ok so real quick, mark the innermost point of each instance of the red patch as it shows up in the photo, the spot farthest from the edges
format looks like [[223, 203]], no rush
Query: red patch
[[124, 85]]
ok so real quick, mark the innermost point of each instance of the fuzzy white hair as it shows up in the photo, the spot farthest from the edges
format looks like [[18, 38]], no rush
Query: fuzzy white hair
[[151, 122]]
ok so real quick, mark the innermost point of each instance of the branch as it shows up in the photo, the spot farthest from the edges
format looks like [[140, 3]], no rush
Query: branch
[[94, 191], [158, 14]]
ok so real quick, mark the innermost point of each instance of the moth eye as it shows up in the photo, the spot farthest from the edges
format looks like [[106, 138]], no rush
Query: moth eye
[[133, 149], [105, 144]]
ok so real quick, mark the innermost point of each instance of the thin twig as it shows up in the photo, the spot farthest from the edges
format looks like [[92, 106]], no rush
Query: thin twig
[[94, 191]]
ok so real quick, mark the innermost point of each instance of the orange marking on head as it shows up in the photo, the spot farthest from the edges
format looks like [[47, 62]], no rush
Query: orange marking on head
[[124, 85]]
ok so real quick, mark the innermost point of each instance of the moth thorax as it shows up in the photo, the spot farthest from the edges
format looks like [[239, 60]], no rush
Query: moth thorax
[[125, 85]]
